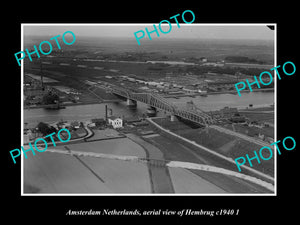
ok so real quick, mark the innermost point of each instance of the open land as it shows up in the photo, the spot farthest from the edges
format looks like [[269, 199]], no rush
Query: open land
[[85, 73]]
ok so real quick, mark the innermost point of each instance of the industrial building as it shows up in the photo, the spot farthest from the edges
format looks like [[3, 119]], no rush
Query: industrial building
[[116, 122]]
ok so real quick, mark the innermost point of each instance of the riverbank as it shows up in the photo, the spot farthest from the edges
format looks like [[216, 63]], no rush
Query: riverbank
[[242, 91], [74, 104]]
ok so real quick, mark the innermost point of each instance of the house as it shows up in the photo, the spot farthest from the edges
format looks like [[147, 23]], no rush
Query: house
[[132, 120], [261, 136], [75, 124], [28, 135], [63, 124], [26, 138], [92, 125], [116, 122]]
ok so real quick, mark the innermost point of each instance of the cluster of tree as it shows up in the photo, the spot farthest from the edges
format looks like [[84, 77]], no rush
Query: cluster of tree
[[50, 98], [45, 128]]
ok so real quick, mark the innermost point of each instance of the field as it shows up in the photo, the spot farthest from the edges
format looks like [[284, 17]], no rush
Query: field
[[51, 172], [222, 143], [161, 50], [58, 173], [185, 181]]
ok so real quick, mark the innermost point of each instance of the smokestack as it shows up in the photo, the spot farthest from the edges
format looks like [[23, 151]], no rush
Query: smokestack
[[42, 75], [106, 114]]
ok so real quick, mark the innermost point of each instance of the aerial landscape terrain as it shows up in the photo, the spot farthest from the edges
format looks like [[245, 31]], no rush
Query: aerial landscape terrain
[[160, 118]]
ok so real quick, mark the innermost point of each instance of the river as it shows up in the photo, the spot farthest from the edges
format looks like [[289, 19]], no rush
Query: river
[[219, 101], [86, 112]]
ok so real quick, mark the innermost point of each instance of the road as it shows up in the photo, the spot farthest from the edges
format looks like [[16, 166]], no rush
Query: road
[[159, 174], [107, 167], [175, 151], [161, 184]]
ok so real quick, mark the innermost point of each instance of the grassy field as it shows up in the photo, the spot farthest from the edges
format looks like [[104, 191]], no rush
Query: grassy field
[[58, 173], [222, 143], [261, 117], [162, 49], [185, 181], [207, 182]]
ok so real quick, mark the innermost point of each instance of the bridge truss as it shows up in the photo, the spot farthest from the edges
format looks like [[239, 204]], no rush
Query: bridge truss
[[193, 114]]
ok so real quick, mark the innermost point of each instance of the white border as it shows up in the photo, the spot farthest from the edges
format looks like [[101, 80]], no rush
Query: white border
[[146, 24]]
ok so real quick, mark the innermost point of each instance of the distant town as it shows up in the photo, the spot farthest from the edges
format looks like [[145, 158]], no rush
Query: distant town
[[171, 79]]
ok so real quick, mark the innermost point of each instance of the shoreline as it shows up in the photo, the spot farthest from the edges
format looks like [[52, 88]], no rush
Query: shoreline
[[72, 104], [169, 96], [243, 91]]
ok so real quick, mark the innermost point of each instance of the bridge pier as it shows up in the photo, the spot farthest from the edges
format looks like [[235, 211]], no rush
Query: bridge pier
[[131, 103], [151, 111], [173, 118], [155, 101]]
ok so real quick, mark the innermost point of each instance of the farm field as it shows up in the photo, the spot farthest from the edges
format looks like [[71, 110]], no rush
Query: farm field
[[220, 142]]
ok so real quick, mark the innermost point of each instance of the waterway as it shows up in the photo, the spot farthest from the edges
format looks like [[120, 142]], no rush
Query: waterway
[[219, 101], [86, 112]]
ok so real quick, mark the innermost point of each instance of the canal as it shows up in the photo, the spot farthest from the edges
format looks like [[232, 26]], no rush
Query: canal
[[86, 112]]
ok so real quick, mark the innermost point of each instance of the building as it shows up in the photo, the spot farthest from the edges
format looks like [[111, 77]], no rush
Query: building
[[114, 70], [63, 124], [116, 122], [28, 136], [144, 88], [203, 59], [237, 118], [91, 83], [75, 124], [98, 122], [191, 89], [261, 136]]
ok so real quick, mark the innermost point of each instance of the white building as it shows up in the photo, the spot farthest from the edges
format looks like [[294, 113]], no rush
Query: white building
[[203, 59], [116, 122]]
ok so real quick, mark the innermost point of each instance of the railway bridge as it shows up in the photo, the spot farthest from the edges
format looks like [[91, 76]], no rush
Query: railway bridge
[[155, 101]]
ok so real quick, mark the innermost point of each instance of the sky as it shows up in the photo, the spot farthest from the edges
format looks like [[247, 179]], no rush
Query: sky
[[205, 31]]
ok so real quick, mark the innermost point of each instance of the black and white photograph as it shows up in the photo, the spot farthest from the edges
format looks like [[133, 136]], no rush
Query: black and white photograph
[[146, 113], [129, 109]]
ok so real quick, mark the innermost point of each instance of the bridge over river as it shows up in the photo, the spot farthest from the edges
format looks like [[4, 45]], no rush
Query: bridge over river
[[193, 113], [155, 101]]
